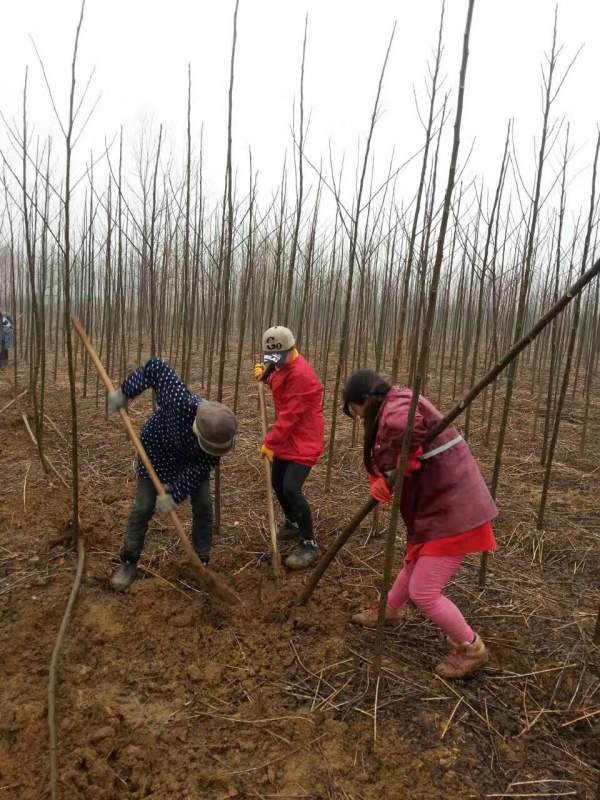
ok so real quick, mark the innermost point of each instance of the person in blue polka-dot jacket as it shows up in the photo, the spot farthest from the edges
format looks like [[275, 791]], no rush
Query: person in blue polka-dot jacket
[[184, 438]]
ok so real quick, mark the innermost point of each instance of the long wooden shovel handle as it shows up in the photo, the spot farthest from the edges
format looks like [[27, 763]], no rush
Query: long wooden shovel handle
[[275, 554], [211, 581]]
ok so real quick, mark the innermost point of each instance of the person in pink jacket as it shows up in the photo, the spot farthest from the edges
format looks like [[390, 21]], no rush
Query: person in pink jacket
[[445, 504], [296, 440]]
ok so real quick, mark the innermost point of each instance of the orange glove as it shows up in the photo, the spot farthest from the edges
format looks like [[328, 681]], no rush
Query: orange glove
[[266, 453], [380, 491], [259, 371]]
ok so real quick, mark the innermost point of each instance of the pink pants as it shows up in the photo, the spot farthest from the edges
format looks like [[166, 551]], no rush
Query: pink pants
[[423, 582]]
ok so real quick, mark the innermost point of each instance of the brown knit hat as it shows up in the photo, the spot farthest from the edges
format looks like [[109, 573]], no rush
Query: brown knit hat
[[216, 427]]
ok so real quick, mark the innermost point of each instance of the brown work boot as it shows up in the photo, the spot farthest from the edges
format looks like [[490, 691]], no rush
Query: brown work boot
[[368, 617], [465, 659]]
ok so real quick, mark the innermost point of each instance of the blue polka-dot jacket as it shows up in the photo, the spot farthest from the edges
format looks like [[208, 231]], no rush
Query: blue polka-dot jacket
[[167, 436]]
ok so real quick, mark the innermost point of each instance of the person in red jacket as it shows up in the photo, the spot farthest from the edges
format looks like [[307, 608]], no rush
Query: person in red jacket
[[445, 504], [296, 441]]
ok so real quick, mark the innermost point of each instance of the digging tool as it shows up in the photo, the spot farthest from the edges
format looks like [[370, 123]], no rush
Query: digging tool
[[275, 554], [210, 580], [458, 409]]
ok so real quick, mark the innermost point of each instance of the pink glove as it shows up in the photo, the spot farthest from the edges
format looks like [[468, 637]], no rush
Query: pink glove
[[379, 489]]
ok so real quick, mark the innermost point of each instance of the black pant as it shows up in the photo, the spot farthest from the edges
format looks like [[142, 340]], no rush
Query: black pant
[[143, 509], [287, 478]]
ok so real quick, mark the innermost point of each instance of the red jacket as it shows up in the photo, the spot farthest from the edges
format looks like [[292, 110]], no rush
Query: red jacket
[[299, 429], [448, 494]]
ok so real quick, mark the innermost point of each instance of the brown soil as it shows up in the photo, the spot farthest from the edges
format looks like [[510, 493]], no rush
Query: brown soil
[[164, 693]]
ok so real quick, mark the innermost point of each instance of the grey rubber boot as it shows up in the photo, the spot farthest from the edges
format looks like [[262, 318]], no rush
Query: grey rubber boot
[[287, 532], [123, 577], [303, 555]]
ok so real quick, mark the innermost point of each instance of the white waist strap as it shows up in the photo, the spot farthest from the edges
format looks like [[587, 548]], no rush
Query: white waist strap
[[437, 450]]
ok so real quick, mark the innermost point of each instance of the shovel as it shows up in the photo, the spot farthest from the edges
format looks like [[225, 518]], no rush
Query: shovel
[[275, 554], [210, 580]]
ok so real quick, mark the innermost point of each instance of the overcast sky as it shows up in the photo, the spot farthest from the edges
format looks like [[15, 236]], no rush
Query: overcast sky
[[140, 50]]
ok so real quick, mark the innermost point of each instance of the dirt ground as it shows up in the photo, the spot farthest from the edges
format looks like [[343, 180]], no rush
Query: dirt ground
[[166, 694]]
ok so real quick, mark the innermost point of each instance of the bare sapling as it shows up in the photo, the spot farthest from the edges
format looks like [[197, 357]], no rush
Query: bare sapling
[[355, 222], [424, 350], [569, 355]]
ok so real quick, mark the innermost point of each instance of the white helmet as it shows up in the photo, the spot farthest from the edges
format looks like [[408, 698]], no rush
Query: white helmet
[[278, 340]]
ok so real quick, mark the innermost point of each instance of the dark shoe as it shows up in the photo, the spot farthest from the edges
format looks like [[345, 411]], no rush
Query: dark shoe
[[287, 532], [123, 577], [303, 555]]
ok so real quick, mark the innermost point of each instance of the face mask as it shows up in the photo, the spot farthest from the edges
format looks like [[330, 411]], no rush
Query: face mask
[[277, 359]]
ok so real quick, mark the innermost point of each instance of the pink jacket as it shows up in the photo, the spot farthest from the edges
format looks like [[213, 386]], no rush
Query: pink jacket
[[299, 430], [448, 494]]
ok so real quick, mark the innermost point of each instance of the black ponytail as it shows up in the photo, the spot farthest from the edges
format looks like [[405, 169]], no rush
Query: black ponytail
[[366, 387]]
